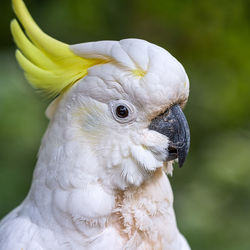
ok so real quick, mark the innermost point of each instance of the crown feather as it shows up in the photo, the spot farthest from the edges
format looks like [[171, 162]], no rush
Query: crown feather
[[49, 65]]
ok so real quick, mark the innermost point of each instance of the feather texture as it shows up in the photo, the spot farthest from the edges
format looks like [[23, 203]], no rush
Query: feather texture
[[49, 64]]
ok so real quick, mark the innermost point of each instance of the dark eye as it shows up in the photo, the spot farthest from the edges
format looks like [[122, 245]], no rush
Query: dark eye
[[122, 111]]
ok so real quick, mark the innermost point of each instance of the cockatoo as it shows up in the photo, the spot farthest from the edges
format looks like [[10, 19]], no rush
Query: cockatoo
[[115, 128]]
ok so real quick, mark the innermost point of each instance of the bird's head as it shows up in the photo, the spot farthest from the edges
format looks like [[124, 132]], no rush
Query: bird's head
[[119, 100]]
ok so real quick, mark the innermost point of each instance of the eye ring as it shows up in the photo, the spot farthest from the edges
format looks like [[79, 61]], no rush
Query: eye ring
[[122, 111]]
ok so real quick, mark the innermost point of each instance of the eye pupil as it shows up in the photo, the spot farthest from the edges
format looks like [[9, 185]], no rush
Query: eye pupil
[[121, 111]]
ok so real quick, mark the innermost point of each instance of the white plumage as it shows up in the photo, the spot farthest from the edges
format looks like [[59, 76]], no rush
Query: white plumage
[[99, 182]]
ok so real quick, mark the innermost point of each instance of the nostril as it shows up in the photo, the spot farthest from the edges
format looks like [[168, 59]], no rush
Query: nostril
[[172, 150], [172, 153]]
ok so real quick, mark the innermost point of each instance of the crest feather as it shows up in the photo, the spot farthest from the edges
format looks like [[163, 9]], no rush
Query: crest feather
[[49, 64]]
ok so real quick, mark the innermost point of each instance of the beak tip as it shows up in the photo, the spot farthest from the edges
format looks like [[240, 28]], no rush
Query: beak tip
[[180, 163], [182, 155]]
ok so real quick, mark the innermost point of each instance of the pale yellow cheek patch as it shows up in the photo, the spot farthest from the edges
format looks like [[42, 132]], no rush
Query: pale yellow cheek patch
[[139, 72], [89, 120]]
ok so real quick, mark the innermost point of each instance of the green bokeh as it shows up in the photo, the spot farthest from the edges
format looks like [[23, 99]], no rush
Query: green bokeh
[[212, 40]]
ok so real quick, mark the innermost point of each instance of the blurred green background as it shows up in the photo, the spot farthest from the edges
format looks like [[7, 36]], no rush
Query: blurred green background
[[211, 39]]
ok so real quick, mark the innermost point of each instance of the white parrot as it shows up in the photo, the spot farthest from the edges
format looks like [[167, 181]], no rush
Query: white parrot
[[115, 128]]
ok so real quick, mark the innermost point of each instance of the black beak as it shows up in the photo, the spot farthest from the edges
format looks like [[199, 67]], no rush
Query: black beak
[[173, 124]]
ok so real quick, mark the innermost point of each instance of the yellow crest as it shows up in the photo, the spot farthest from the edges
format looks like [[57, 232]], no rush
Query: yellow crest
[[49, 64]]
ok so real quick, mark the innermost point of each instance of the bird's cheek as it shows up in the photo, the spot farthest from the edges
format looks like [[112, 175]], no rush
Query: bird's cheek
[[156, 143]]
